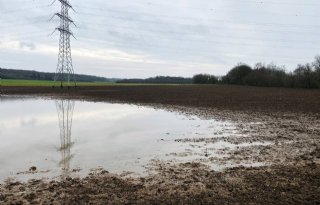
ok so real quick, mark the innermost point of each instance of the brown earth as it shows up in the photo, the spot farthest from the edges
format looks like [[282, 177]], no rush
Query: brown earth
[[288, 119], [208, 96], [183, 184]]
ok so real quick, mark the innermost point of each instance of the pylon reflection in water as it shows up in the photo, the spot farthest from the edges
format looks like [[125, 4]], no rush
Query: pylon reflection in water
[[65, 113]]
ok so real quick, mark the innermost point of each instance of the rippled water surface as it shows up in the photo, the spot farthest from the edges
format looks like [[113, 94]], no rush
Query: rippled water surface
[[66, 136]]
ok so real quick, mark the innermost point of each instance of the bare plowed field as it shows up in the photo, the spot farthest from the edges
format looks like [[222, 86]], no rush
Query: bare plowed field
[[288, 120]]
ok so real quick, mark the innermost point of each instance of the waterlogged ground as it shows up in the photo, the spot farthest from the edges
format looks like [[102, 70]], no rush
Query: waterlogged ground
[[47, 138], [273, 132]]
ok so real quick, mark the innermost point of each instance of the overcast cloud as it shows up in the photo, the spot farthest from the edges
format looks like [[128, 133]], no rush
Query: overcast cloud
[[143, 38]]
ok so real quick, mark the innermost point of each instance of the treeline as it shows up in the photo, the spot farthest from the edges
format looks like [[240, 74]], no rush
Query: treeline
[[35, 75], [271, 75], [159, 80], [205, 79]]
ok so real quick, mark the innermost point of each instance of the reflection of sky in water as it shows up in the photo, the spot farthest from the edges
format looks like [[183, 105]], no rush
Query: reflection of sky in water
[[117, 137]]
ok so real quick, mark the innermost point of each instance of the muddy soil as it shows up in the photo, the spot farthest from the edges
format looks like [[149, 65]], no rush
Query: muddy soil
[[281, 125], [177, 184], [209, 96]]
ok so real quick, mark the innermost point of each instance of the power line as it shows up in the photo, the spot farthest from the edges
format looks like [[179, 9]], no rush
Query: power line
[[117, 11], [181, 32], [195, 19], [258, 3], [237, 43], [27, 8], [180, 39], [185, 33], [193, 52], [225, 26], [211, 10]]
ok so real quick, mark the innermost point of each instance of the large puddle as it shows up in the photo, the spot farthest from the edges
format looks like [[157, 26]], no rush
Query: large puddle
[[67, 137]]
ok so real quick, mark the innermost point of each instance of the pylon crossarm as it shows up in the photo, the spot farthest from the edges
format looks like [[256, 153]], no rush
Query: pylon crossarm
[[66, 4], [64, 18], [64, 31]]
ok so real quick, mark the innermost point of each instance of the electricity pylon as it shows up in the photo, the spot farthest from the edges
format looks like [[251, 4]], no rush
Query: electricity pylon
[[64, 72], [65, 113], [0, 79]]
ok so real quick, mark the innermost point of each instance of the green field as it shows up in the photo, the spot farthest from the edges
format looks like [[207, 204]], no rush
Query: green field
[[5, 82]]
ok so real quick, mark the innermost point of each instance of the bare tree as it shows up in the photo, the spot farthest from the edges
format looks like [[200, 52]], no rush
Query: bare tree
[[303, 75], [316, 63]]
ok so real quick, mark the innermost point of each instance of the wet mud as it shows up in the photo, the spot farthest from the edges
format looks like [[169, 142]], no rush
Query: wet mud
[[190, 183], [274, 160]]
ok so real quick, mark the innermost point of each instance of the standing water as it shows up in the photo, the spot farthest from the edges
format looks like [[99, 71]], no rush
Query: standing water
[[62, 137]]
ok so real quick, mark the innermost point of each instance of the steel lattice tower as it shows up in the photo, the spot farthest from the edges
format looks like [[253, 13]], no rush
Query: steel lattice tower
[[0, 79], [65, 113], [64, 72]]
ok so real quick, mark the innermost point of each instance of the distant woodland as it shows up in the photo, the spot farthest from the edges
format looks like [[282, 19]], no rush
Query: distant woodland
[[159, 80], [270, 75], [35, 75]]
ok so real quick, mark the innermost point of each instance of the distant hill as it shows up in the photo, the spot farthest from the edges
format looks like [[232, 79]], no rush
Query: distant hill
[[35, 75], [159, 80]]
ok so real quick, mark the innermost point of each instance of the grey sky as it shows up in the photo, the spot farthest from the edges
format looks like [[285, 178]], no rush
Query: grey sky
[[143, 38]]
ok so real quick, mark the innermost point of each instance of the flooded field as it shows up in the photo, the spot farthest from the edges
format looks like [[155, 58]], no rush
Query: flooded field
[[222, 144], [68, 137]]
